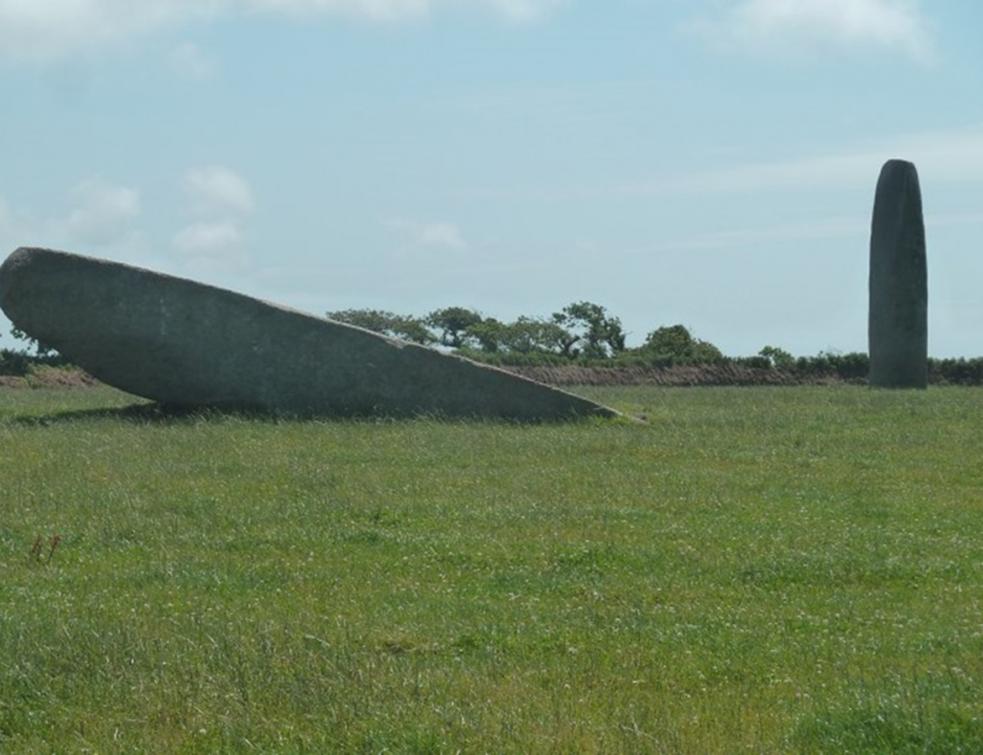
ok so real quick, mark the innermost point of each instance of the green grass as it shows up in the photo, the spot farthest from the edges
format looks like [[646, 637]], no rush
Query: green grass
[[755, 569]]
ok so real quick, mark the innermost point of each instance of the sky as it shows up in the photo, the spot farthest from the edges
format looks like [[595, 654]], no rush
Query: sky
[[704, 162]]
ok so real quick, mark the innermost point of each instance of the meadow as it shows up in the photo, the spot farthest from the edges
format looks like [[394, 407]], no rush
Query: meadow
[[754, 569]]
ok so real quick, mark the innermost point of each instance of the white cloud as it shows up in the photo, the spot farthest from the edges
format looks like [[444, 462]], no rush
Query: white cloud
[[44, 29], [383, 10], [190, 61], [101, 219], [524, 10], [39, 29], [388, 10], [102, 213], [217, 190], [794, 25], [221, 200], [434, 235], [209, 239], [445, 235]]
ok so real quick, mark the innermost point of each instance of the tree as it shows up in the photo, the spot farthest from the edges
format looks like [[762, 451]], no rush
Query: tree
[[532, 335], [588, 325], [669, 340], [526, 335], [489, 334], [453, 324], [408, 328], [779, 358], [569, 339], [675, 343]]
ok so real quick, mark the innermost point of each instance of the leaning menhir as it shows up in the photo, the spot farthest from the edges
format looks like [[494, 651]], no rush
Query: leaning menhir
[[188, 344], [898, 324]]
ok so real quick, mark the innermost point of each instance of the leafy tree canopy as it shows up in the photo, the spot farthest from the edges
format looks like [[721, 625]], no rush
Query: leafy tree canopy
[[675, 343], [591, 331], [778, 357], [379, 321], [453, 324]]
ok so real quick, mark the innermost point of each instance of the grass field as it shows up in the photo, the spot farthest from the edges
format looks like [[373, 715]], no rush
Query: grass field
[[769, 570]]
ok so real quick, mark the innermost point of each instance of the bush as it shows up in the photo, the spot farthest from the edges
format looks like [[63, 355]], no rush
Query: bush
[[777, 357], [956, 371], [759, 362], [16, 363], [515, 358], [674, 344]]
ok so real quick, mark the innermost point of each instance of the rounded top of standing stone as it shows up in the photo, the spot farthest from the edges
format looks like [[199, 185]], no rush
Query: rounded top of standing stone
[[897, 166], [898, 178]]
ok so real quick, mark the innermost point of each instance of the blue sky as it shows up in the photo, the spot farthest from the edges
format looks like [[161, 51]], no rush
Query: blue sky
[[707, 162]]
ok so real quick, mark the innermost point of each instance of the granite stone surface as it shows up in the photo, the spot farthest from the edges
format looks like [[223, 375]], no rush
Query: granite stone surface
[[188, 344], [898, 324]]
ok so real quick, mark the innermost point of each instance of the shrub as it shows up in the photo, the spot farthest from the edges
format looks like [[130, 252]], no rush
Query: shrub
[[16, 363]]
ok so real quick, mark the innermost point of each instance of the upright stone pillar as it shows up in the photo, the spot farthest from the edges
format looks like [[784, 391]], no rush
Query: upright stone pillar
[[898, 324]]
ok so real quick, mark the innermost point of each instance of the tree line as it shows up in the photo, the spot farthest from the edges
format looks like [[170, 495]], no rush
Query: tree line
[[582, 331], [586, 333]]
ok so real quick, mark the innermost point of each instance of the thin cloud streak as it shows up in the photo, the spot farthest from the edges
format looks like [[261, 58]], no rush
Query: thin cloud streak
[[103, 212], [952, 157], [840, 227], [192, 62], [434, 234], [218, 190], [794, 27], [855, 227], [42, 30], [944, 156], [208, 238]]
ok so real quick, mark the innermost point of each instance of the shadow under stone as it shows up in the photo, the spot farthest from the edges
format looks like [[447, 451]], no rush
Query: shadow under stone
[[169, 414], [145, 414]]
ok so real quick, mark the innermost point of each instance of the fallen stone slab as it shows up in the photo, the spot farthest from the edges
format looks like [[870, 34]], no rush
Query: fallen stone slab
[[898, 318], [185, 343]]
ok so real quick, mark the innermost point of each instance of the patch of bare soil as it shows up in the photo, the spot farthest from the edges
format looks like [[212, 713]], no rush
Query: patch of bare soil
[[50, 377], [669, 376], [10, 381]]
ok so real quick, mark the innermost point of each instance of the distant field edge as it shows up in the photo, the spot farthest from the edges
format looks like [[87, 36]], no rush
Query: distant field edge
[[561, 376], [678, 375]]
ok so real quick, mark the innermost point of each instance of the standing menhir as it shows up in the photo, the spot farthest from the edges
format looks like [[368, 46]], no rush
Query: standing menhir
[[898, 325]]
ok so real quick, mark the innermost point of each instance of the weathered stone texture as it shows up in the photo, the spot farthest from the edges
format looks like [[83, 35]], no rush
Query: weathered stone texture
[[898, 324], [188, 344]]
